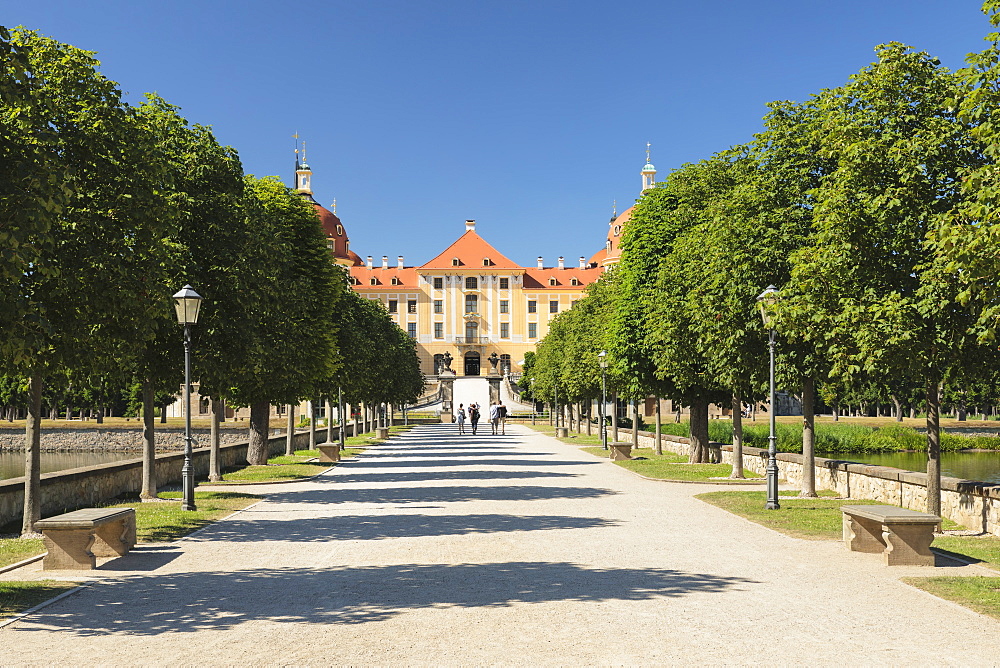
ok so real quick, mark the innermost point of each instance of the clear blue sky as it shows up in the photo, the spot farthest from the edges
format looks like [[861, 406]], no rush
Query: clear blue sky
[[530, 117]]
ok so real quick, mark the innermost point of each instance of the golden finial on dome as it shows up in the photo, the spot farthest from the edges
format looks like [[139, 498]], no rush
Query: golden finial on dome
[[647, 152], [614, 208], [334, 205]]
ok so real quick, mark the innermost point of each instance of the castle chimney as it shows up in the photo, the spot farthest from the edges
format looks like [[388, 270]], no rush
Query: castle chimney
[[540, 262], [583, 264], [385, 261], [399, 262], [369, 261], [470, 226], [562, 264]]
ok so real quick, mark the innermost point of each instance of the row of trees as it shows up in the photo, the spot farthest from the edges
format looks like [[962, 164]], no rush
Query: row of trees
[[106, 209], [872, 206]]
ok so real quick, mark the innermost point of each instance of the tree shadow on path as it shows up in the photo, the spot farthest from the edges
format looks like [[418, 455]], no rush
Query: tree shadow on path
[[192, 602], [378, 527], [336, 494], [428, 476]]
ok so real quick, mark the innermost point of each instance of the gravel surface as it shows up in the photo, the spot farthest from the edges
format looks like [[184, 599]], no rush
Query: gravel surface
[[435, 549]]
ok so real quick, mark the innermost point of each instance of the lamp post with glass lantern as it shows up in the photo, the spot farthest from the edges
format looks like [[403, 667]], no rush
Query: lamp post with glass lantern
[[766, 300], [187, 303], [602, 359]]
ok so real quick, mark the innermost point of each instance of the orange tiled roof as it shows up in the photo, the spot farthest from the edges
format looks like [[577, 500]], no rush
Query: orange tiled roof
[[471, 249], [407, 277], [539, 279]]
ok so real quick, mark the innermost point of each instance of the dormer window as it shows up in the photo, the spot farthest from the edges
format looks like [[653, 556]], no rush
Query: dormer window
[[609, 246], [573, 281], [486, 262], [455, 262], [395, 281], [553, 281], [372, 281], [340, 230]]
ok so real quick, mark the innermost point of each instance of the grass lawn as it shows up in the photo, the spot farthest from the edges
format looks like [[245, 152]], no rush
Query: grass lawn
[[16, 597], [814, 519], [981, 594]]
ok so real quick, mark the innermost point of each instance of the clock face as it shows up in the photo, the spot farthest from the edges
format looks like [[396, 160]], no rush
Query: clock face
[[618, 230]]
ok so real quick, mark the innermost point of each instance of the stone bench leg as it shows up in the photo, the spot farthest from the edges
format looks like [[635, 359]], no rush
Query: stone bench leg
[[863, 535], [908, 544], [114, 539], [68, 549]]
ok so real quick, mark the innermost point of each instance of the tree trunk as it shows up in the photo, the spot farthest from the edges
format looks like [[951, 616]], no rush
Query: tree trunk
[[260, 417], [312, 425], [357, 416], [590, 415], [634, 408], [698, 423], [808, 438], [290, 431], [913, 412], [329, 421], [218, 414], [148, 490], [659, 424], [933, 447], [163, 413], [737, 436], [100, 415], [836, 413], [614, 417], [899, 407], [32, 452]]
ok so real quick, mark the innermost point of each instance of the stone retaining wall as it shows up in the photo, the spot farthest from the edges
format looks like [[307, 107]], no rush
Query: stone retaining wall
[[973, 504], [63, 491]]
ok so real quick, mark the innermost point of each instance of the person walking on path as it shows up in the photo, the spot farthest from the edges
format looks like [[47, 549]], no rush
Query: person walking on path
[[460, 418], [502, 415], [494, 417], [474, 417]]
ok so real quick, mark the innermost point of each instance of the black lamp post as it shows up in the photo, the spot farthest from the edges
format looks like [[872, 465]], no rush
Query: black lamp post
[[602, 358], [187, 302], [766, 300]]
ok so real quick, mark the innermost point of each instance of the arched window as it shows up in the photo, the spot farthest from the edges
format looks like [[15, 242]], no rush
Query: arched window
[[505, 364], [471, 330], [455, 262], [438, 363], [471, 282], [373, 281]]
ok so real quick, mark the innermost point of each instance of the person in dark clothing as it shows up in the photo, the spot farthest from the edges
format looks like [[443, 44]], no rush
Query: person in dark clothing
[[474, 417]]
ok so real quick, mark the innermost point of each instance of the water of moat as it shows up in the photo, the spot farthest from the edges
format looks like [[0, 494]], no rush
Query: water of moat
[[12, 463]]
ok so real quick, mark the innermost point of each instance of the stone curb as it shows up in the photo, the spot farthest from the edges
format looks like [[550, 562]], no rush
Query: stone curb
[[18, 617], [25, 562]]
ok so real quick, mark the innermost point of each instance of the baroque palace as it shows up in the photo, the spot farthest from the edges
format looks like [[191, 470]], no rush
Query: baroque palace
[[470, 308]]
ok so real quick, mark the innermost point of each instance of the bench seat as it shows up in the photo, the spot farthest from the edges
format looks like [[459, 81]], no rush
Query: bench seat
[[903, 537], [74, 540]]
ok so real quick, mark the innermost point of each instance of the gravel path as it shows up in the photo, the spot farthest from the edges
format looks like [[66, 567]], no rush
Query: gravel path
[[435, 549]]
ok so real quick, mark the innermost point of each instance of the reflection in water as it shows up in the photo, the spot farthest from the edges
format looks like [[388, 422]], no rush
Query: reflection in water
[[984, 466], [12, 463]]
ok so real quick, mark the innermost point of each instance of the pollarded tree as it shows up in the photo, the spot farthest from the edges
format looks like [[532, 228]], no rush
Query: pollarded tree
[[869, 290], [291, 339]]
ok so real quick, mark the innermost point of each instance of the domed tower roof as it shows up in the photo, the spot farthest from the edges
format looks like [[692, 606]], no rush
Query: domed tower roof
[[337, 240]]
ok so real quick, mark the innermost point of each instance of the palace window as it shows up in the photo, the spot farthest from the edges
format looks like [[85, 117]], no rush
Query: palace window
[[438, 283], [471, 303], [373, 282], [411, 306], [486, 262], [411, 329], [438, 306], [532, 306], [504, 306], [553, 306], [505, 284], [395, 281], [471, 282], [471, 330], [393, 306], [573, 281], [553, 282], [455, 262], [532, 330], [438, 330], [504, 330], [505, 364]]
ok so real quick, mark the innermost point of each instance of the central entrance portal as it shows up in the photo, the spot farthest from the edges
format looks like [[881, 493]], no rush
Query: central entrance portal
[[472, 364]]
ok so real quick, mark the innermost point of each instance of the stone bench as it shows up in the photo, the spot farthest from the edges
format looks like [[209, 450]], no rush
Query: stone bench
[[75, 540], [620, 450], [329, 452], [902, 536]]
